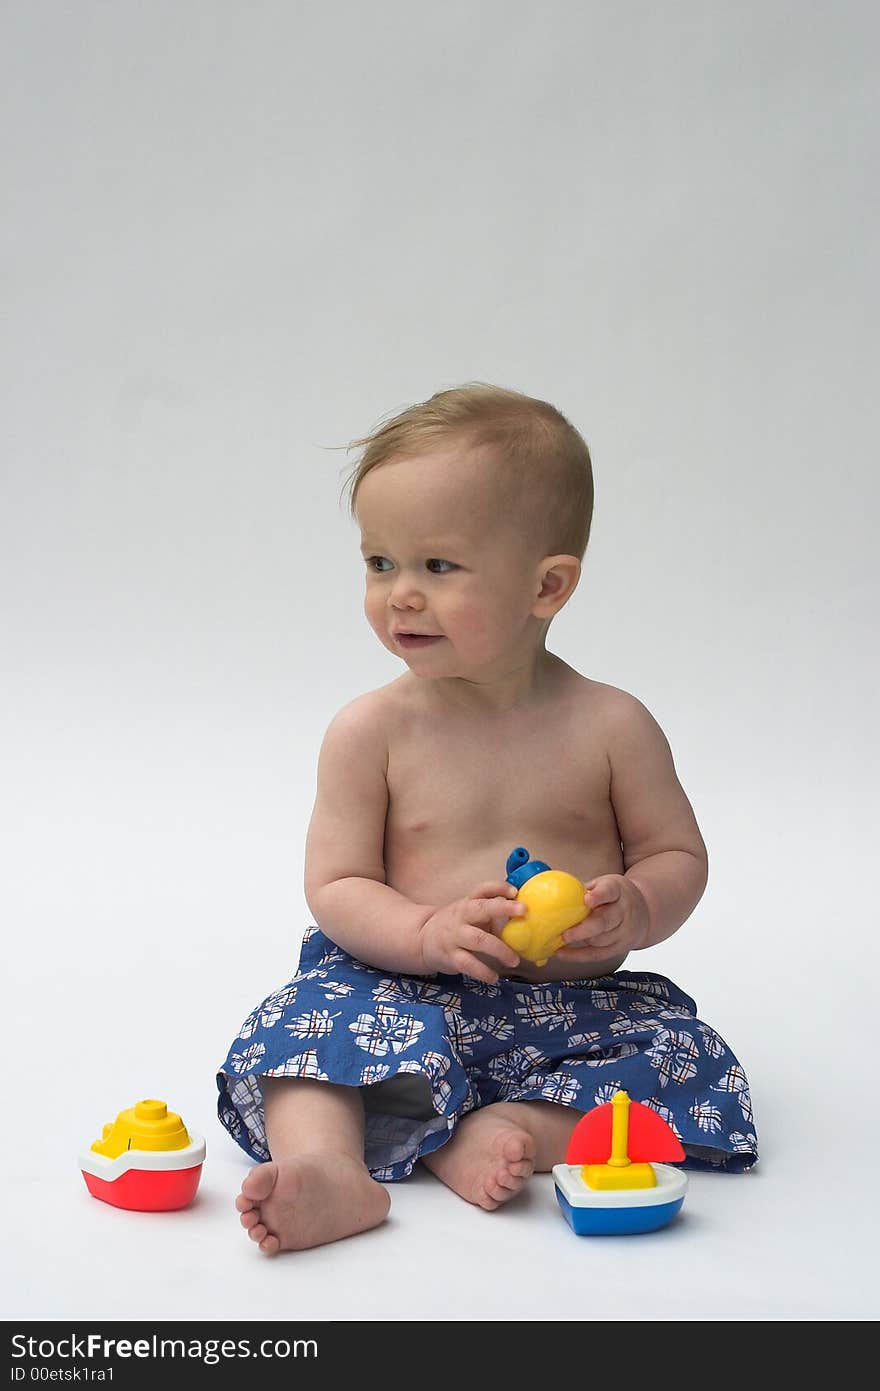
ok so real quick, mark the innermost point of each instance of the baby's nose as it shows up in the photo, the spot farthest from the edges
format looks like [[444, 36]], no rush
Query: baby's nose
[[405, 594]]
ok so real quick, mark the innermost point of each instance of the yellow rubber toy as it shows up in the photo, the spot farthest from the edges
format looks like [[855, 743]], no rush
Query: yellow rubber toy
[[555, 902]]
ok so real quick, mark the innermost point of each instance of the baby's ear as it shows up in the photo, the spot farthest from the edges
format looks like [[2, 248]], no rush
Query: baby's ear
[[559, 575]]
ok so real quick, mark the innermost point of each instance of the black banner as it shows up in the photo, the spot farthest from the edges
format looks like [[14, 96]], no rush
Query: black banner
[[130, 1353]]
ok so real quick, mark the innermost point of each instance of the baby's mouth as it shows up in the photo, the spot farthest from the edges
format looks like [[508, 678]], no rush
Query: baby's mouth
[[416, 639]]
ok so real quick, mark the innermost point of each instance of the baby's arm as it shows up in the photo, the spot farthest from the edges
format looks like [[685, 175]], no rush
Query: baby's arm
[[345, 871], [344, 857], [664, 856]]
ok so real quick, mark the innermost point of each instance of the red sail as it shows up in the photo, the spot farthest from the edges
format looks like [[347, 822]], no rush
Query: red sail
[[650, 1139]]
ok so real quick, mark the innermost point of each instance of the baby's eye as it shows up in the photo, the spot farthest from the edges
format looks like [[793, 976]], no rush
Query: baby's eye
[[448, 563], [378, 563]]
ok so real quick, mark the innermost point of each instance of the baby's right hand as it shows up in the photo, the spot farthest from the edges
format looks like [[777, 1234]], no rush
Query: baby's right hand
[[458, 936]]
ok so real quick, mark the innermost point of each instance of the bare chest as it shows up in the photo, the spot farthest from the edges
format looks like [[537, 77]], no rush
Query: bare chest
[[462, 797]]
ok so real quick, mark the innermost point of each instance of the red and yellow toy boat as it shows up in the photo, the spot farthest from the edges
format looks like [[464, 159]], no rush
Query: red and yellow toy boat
[[611, 1181], [146, 1160]]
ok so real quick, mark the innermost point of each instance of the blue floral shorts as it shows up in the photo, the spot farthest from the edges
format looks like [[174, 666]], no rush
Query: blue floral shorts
[[426, 1050]]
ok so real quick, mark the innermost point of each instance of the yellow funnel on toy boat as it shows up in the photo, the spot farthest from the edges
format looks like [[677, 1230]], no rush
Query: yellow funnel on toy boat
[[148, 1125]]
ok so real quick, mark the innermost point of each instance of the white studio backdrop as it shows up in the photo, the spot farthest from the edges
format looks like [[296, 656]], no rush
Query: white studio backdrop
[[235, 237]]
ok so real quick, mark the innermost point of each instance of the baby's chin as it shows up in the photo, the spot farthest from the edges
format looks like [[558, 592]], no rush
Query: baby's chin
[[426, 664], [422, 656], [431, 663]]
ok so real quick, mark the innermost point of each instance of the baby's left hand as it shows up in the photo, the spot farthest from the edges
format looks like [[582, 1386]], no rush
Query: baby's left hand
[[618, 921]]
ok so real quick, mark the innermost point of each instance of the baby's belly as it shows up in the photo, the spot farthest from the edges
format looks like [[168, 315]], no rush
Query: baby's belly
[[434, 870]]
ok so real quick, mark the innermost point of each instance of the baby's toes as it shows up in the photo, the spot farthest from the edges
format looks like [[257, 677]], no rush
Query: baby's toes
[[270, 1245], [492, 1196], [258, 1232], [250, 1218], [259, 1182], [518, 1153], [521, 1169], [503, 1186], [508, 1180]]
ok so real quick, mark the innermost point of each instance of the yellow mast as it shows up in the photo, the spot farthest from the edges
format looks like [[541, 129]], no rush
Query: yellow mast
[[619, 1130], [619, 1171]]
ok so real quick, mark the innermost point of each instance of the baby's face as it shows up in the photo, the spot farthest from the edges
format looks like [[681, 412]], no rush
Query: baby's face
[[446, 564]]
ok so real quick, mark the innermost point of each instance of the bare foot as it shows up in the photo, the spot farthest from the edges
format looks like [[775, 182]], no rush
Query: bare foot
[[488, 1159], [307, 1201]]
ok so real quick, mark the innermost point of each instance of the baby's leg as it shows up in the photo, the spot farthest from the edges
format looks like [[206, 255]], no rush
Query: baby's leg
[[317, 1187], [494, 1151]]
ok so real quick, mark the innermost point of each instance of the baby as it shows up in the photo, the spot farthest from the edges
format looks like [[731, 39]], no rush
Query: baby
[[411, 1030]]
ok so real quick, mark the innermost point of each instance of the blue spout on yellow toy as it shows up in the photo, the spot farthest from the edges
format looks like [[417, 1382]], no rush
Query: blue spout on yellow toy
[[554, 902]]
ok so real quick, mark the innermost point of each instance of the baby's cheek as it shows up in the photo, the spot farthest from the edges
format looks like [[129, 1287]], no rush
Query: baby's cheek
[[477, 631]]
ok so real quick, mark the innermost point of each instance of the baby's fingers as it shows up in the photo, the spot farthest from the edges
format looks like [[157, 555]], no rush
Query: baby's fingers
[[493, 912], [592, 932], [598, 939], [605, 889], [475, 940], [494, 888], [467, 965]]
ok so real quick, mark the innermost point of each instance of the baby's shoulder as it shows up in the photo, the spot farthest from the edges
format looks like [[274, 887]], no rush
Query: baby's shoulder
[[609, 713], [368, 716], [625, 728], [603, 701]]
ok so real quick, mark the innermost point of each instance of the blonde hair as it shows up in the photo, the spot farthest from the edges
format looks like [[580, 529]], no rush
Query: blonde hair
[[545, 472]]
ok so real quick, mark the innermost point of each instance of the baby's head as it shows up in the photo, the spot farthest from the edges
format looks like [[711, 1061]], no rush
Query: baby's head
[[474, 508]]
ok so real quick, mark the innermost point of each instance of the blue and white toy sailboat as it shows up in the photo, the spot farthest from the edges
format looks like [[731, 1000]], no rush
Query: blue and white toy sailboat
[[611, 1181]]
